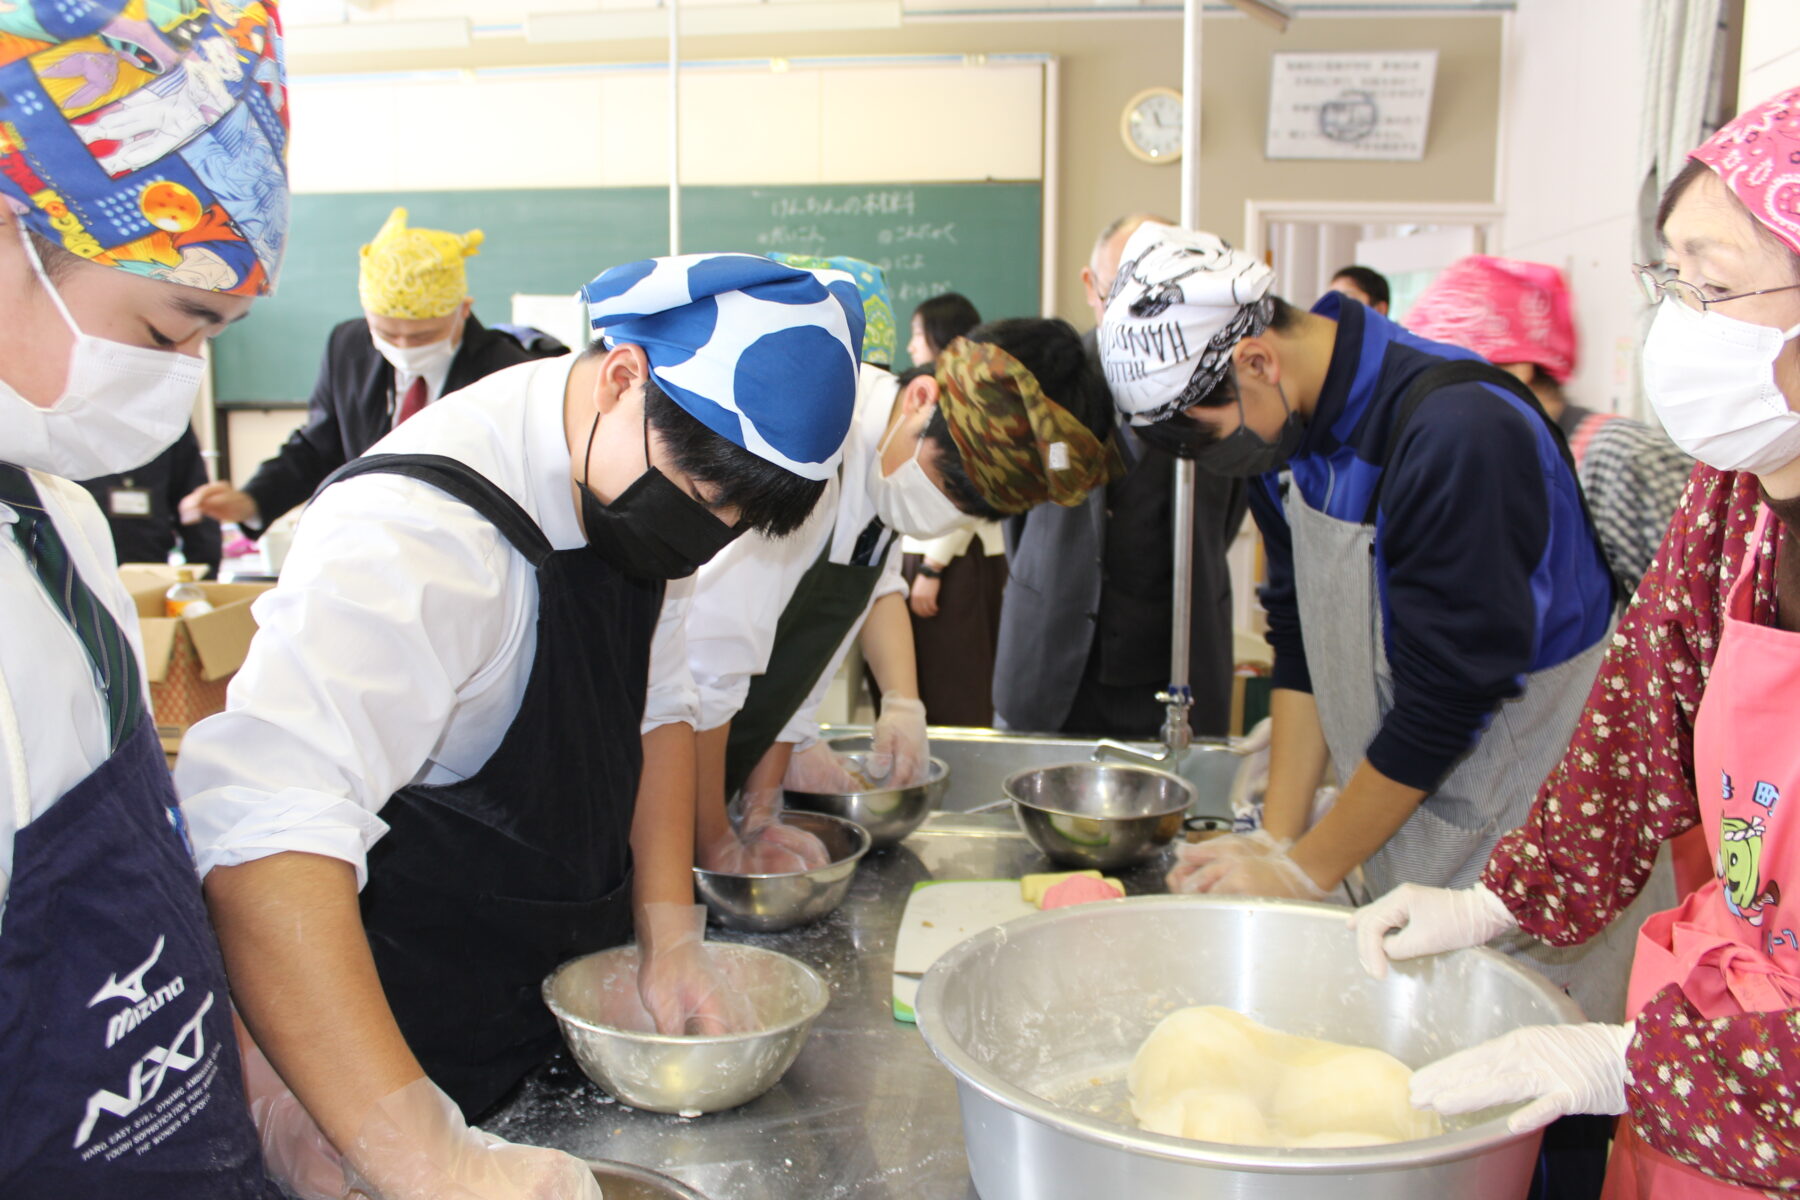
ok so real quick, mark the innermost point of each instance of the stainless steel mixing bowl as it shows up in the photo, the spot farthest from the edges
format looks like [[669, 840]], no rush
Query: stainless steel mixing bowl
[[694, 1074], [889, 814], [771, 903], [622, 1181], [1099, 814], [1038, 1020]]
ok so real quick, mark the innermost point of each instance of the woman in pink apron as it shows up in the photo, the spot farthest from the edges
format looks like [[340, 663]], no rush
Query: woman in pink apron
[[1691, 724]]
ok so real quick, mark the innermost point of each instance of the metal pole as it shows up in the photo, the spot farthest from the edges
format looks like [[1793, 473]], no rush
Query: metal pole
[[1177, 733], [674, 126]]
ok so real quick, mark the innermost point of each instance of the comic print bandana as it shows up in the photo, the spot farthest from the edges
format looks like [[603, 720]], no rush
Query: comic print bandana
[[762, 354], [1758, 157], [1181, 301], [149, 135], [1504, 309], [1019, 447], [880, 337]]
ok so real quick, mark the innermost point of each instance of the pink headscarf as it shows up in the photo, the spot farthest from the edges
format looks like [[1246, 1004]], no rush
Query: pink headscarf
[[1758, 157], [1504, 309]]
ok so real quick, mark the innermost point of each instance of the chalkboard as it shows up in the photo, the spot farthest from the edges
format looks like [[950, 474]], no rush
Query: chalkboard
[[981, 239]]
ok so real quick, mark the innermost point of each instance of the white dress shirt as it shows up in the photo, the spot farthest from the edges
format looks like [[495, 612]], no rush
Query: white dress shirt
[[435, 378], [741, 593], [57, 735], [397, 646]]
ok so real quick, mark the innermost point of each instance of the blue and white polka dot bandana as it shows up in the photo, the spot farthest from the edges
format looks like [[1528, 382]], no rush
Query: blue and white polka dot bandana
[[761, 354]]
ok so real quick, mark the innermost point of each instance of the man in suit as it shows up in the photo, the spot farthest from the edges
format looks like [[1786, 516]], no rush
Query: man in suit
[[140, 507], [1086, 621], [416, 341]]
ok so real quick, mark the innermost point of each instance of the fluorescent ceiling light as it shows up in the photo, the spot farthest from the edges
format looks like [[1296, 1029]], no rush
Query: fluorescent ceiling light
[[714, 20], [375, 37], [1272, 13]]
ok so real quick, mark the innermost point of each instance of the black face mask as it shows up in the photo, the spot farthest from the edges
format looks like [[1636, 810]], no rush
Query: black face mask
[[1240, 454], [654, 530]]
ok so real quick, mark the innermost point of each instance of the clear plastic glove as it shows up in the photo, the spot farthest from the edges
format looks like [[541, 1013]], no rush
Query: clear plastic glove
[[296, 1154], [922, 596], [677, 983], [1192, 857], [1561, 1069], [818, 769], [414, 1145], [1429, 920], [755, 842], [1242, 864], [900, 756]]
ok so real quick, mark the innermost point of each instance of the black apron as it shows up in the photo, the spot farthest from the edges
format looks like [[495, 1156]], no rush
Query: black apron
[[825, 606], [119, 1071], [480, 888]]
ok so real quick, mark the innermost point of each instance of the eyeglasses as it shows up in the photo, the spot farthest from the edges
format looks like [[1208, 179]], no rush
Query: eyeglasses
[[1657, 283]]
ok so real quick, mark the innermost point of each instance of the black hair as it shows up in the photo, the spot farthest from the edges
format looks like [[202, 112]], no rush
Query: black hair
[[946, 317], [57, 261], [1225, 392], [1051, 350], [769, 499], [1369, 282], [1685, 179]]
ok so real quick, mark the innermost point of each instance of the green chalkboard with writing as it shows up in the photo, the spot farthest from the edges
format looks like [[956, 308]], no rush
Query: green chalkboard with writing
[[981, 239]]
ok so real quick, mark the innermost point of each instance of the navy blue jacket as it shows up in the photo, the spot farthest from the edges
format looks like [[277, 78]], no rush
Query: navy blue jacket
[[1486, 567]]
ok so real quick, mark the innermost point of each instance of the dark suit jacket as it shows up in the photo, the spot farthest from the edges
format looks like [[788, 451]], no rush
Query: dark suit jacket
[[352, 408], [1104, 569], [167, 477]]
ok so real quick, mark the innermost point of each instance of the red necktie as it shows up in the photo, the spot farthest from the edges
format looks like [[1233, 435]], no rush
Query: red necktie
[[413, 401]]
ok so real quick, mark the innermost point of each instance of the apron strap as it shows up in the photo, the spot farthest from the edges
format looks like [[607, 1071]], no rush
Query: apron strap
[[1471, 370], [462, 482]]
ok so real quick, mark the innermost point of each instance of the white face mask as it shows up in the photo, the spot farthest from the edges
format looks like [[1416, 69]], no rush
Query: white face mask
[[908, 502], [1712, 380], [120, 407], [415, 360]]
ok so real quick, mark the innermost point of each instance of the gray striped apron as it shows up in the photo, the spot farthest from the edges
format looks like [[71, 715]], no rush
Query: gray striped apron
[[1447, 840]]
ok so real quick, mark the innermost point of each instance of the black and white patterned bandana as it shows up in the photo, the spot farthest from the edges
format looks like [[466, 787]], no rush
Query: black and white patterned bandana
[[1181, 301]]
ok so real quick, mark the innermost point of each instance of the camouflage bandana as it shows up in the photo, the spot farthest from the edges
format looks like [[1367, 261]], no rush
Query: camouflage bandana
[[1019, 446]]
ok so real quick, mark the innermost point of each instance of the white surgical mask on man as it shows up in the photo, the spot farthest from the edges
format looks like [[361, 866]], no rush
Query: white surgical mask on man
[[1711, 379], [907, 501], [120, 406], [415, 360]]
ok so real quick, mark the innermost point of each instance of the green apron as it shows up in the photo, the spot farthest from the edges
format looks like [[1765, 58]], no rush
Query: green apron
[[830, 599]]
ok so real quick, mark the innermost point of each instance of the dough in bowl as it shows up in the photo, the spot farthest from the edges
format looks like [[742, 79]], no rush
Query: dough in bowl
[[1215, 1075]]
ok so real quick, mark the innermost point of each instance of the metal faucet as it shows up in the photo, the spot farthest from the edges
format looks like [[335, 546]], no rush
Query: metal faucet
[[1178, 697]]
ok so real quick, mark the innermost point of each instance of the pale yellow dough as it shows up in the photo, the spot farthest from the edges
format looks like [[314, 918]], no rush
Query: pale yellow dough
[[1217, 1076]]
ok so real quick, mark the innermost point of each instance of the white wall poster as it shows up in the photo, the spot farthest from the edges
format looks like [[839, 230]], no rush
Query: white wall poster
[[1351, 106]]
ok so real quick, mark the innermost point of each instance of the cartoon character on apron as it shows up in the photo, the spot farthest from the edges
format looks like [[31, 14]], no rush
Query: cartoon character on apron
[[1733, 945]]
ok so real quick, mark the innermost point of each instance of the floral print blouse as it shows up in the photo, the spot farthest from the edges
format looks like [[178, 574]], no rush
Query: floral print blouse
[[1721, 1095]]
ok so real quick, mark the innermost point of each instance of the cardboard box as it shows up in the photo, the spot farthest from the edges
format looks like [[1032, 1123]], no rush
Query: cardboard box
[[189, 660]]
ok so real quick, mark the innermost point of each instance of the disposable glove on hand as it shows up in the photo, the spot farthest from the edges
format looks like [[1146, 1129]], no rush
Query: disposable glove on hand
[[755, 842], [1200, 865], [414, 1145], [679, 985], [1561, 1069], [901, 756], [296, 1154], [1429, 920], [818, 769]]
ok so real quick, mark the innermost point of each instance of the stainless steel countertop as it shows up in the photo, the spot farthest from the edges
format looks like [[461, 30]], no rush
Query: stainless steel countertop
[[865, 1113]]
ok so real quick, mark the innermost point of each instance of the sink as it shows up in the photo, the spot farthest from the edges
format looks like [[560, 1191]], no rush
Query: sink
[[981, 759]]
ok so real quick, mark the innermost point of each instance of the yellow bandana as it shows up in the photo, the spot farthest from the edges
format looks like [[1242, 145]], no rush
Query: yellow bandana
[[1019, 447], [415, 274]]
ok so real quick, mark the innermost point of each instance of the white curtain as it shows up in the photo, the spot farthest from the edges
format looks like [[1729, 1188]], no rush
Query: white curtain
[[1682, 45]]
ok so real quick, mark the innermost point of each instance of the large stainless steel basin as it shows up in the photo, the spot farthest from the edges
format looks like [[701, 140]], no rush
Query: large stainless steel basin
[[981, 759], [1039, 1018]]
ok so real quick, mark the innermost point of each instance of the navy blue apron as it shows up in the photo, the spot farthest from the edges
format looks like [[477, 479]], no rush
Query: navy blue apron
[[119, 1071], [481, 887]]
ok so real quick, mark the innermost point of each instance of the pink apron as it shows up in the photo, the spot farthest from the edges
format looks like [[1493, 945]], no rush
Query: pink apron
[[1731, 945]]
